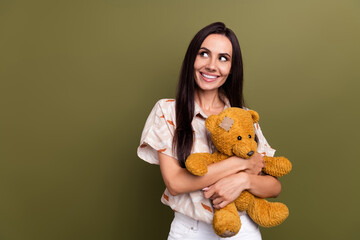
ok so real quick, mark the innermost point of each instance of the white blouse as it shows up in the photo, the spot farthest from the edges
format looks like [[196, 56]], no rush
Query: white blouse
[[157, 136]]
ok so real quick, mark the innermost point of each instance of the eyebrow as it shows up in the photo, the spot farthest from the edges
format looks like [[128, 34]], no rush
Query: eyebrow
[[219, 53]]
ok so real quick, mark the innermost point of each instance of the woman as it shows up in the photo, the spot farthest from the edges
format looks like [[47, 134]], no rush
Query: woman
[[211, 79]]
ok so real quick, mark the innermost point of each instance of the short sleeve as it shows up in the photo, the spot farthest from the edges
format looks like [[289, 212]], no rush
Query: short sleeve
[[263, 146], [158, 132]]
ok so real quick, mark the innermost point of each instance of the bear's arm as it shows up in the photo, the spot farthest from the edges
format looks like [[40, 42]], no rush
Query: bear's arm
[[277, 166], [197, 163], [218, 156]]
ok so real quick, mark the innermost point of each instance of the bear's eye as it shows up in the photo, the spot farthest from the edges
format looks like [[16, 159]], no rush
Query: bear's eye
[[249, 136], [239, 137]]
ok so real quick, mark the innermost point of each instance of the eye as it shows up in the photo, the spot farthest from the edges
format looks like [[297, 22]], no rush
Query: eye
[[223, 59], [249, 136], [239, 137], [204, 54]]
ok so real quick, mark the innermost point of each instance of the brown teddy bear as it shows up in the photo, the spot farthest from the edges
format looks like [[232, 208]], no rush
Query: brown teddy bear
[[233, 133]]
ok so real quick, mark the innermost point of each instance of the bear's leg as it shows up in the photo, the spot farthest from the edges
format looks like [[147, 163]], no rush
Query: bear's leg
[[226, 221], [244, 201], [264, 213]]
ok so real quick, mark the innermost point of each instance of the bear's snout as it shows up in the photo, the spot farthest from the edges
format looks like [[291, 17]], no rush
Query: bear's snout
[[244, 149], [250, 153]]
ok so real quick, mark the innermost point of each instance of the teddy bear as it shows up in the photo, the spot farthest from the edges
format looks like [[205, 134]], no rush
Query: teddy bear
[[233, 133]]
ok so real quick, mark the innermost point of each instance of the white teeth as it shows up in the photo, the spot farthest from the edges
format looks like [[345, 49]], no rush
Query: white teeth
[[208, 76]]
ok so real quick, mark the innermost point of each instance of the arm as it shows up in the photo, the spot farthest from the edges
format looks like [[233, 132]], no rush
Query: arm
[[229, 188], [178, 180], [264, 186]]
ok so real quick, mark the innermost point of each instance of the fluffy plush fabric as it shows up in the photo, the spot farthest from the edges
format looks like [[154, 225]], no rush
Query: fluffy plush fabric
[[233, 133]]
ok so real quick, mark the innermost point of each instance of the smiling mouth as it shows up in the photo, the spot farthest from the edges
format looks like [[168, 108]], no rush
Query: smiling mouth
[[208, 78]]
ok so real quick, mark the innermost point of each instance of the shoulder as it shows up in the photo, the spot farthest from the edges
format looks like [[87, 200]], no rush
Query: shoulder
[[166, 103], [163, 110], [165, 107]]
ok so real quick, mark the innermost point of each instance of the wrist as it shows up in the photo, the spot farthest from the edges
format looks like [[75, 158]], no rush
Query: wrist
[[239, 163], [246, 180]]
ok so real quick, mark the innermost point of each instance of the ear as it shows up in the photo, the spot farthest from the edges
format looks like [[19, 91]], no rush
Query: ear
[[210, 122], [254, 115]]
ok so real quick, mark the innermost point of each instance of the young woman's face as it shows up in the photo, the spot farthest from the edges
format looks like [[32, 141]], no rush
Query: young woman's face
[[213, 62]]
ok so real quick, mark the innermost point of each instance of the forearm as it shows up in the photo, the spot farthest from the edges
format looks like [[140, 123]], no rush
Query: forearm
[[264, 186], [216, 171], [178, 180]]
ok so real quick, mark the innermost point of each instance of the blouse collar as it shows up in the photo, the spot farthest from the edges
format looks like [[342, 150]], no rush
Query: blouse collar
[[199, 112]]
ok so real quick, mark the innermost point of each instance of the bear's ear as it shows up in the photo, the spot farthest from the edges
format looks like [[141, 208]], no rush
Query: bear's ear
[[254, 115], [210, 122]]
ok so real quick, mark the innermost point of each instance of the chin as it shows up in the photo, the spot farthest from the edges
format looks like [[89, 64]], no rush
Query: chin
[[205, 86]]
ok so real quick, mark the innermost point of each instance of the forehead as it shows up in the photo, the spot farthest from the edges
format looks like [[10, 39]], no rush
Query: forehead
[[217, 43]]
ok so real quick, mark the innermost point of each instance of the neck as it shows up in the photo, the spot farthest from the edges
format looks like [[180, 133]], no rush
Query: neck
[[208, 100]]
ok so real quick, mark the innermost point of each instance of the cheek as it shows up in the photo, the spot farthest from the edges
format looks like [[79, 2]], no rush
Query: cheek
[[225, 70], [198, 63]]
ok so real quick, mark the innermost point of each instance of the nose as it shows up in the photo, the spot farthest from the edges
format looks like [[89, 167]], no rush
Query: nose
[[250, 153], [211, 65]]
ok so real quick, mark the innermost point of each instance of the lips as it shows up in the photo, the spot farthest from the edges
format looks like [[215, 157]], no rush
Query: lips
[[208, 77]]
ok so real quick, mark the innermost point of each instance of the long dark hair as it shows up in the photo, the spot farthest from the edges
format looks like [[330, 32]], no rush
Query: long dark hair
[[184, 105]]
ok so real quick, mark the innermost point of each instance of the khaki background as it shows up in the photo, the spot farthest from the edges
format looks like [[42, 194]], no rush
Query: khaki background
[[78, 79]]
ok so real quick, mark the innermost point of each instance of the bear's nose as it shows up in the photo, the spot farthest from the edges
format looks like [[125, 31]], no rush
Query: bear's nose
[[250, 153]]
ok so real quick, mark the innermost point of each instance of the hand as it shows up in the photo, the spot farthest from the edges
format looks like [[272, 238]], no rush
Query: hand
[[226, 190], [255, 164]]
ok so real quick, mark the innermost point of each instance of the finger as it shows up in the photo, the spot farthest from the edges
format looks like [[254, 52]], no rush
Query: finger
[[208, 193], [217, 206], [223, 204], [217, 201], [214, 196]]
